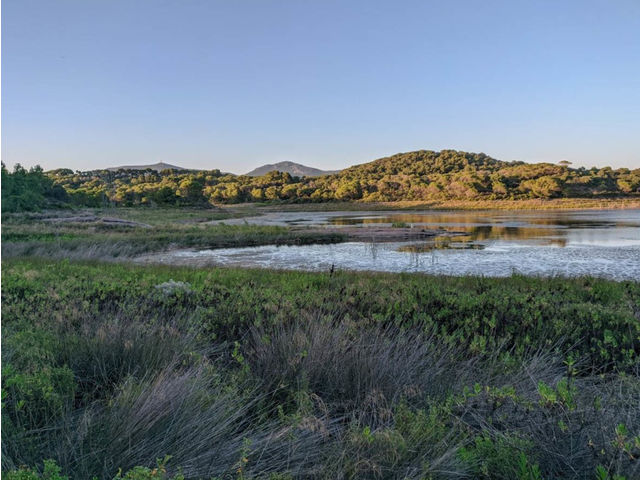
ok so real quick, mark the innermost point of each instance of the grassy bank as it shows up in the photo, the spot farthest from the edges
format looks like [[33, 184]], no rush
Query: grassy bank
[[528, 204], [263, 374], [125, 233]]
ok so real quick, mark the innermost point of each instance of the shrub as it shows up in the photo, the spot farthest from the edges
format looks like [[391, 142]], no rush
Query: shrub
[[51, 471]]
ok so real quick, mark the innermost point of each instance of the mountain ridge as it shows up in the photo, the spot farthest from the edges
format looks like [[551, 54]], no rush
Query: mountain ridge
[[292, 168], [158, 167]]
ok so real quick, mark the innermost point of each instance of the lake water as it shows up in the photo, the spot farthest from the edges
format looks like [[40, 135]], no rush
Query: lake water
[[489, 243]]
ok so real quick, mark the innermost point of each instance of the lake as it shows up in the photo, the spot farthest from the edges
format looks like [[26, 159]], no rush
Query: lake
[[604, 243]]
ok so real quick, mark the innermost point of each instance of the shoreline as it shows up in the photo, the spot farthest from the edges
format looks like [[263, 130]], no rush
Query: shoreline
[[529, 204]]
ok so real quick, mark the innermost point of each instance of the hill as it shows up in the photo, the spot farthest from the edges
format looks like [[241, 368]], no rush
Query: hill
[[158, 167], [422, 176], [292, 168], [456, 175]]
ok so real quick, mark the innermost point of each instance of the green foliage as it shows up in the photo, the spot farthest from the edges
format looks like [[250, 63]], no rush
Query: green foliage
[[35, 397], [626, 443], [562, 395], [34, 388], [603, 474], [144, 473], [408, 444], [52, 471], [478, 314], [421, 175], [29, 190], [501, 458]]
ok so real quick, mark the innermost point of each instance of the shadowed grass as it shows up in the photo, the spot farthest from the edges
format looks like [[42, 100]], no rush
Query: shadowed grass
[[261, 374]]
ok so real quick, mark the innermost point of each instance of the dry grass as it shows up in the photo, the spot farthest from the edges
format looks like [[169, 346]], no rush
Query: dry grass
[[525, 204]]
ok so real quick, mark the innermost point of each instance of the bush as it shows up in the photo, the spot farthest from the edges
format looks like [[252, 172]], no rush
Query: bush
[[51, 471]]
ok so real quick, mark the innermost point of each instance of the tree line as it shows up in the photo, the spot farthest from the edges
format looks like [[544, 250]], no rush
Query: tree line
[[421, 176], [30, 190]]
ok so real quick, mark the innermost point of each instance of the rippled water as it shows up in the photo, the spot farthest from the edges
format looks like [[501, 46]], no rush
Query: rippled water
[[599, 243]]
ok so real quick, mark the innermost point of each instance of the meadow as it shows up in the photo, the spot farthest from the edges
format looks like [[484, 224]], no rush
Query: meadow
[[119, 371], [128, 232]]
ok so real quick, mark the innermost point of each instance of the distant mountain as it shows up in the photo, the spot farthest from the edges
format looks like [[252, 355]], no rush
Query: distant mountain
[[158, 167], [292, 168]]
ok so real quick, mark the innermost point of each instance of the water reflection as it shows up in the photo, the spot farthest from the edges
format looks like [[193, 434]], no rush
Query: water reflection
[[441, 243], [601, 243], [536, 228], [372, 248], [544, 218]]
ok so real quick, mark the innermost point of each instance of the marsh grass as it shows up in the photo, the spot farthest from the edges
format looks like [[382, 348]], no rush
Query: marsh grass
[[100, 242], [155, 216], [350, 368], [255, 374]]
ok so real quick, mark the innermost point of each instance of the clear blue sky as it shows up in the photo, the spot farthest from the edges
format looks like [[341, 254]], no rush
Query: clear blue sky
[[233, 84]]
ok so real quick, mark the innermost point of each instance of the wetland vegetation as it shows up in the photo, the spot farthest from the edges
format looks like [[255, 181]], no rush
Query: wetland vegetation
[[236, 373], [125, 233]]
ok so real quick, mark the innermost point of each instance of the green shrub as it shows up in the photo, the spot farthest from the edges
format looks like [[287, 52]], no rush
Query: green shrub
[[51, 471], [399, 225], [501, 458], [144, 473]]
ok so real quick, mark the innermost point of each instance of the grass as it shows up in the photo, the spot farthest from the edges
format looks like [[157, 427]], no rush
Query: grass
[[528, 204], [594, 317], [275, 375], [173, 215], [149, 215], [37, 235]]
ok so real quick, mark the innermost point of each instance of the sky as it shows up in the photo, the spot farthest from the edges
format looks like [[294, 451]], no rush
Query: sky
[[234, 84]]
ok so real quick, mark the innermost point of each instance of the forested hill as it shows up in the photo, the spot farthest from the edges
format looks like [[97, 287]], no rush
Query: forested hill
[[426, 162], [421, 176], [451, 174]]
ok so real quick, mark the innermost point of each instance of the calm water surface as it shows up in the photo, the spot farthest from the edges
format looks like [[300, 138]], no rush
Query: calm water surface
[[493, 243]]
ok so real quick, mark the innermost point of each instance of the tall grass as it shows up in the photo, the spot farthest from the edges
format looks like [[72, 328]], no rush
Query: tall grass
[[79, 243], [203, 421], [249, 374], [324, 400], [354, 369]]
